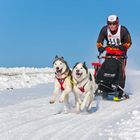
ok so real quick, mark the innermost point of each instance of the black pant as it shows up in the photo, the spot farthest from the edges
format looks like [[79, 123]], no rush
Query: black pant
[[122, 76]]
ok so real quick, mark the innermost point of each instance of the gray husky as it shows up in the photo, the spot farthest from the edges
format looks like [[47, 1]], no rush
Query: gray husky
[[63, 81]]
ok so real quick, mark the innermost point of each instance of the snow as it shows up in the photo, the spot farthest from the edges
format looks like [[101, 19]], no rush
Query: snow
[[25, 112], [15, 78]]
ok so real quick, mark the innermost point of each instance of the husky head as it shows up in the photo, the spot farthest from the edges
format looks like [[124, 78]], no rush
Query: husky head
[[80, 71], [60, 66]]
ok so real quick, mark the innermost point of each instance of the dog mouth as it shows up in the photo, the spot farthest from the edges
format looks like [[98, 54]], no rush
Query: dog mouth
[[58, 71], [78, 74]]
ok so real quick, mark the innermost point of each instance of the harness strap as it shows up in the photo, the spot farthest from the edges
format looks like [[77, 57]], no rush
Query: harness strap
[[82, 89], [61, 82]]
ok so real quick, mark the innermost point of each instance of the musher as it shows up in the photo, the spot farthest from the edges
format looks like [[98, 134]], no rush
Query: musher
[[118, 41]]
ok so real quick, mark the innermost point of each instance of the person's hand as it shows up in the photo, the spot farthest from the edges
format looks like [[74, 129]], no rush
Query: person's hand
[[101, 49]]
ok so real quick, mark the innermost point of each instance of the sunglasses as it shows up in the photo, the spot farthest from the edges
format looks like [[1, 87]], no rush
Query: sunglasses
[[112, 23]]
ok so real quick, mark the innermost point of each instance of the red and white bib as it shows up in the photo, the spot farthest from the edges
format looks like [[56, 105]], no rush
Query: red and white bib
[[115, 39]]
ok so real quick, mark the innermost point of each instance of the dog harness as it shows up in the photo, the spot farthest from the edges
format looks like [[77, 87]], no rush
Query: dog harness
[[82, 89], [61, 82]]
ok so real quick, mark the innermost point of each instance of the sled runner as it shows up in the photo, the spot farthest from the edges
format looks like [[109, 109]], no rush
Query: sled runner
[[110, 77]]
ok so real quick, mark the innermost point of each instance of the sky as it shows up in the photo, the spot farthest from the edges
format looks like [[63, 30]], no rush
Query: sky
[[33, 32]]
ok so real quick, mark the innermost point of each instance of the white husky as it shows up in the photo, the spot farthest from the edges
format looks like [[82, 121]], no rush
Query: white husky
[[84, 86], [62, 80]]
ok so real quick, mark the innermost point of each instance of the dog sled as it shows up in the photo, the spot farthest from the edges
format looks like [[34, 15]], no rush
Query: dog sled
[[109, 73]]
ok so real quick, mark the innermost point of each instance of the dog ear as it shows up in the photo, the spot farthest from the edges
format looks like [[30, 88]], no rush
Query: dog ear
[[56, 57], [62, 58], [75, 65], [84, 64]]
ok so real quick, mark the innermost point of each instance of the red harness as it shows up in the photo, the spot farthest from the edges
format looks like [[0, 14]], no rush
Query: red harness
[[61, 82], [82, 89]]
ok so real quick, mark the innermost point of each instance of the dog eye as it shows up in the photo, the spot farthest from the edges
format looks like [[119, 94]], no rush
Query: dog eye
[[60, 63]]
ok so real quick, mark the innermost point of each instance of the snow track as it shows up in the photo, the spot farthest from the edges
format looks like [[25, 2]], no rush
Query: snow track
[[33, 118]]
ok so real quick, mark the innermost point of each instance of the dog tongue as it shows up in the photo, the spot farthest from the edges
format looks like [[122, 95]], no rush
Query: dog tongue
[[78, 75]]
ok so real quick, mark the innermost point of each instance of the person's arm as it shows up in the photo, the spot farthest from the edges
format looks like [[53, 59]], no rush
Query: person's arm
[[126, 38], [100, 40]]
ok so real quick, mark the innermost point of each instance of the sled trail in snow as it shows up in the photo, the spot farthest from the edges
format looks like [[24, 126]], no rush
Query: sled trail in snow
[[35, 119]]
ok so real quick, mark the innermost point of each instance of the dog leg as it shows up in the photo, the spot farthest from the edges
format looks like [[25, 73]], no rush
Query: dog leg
[[53, 99], [75, 98], [62, 97], [66, 104], [83, 105], [90, 102], [64, 94], [78, 102], [55, 92], [77, 109]]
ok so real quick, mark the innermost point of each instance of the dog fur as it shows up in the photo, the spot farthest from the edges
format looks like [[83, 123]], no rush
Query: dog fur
[[62, 80], [84, 86]]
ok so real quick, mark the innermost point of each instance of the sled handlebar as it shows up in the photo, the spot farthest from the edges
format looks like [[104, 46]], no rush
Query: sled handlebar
[[111, 56]]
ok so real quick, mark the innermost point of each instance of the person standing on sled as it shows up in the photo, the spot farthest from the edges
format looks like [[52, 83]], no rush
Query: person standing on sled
[[118, 42]]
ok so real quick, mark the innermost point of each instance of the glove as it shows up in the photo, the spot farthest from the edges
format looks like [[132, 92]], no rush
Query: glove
[[101, 49], [122, 48]]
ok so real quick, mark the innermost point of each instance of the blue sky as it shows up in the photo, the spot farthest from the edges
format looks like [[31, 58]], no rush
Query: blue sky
[[32, 32]]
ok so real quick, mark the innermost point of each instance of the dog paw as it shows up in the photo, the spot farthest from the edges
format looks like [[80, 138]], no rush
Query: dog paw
[[82, 107], [61, 100], [66, 110], [89, 107], [52, 101]]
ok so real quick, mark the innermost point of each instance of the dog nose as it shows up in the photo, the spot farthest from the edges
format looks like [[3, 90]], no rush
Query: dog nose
[[77, 70], [57, 68]]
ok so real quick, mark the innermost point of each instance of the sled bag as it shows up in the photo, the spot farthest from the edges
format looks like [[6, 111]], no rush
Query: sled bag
[[109, 71]]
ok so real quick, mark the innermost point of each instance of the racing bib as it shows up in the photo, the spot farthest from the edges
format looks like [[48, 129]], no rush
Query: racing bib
[[115, 39]]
